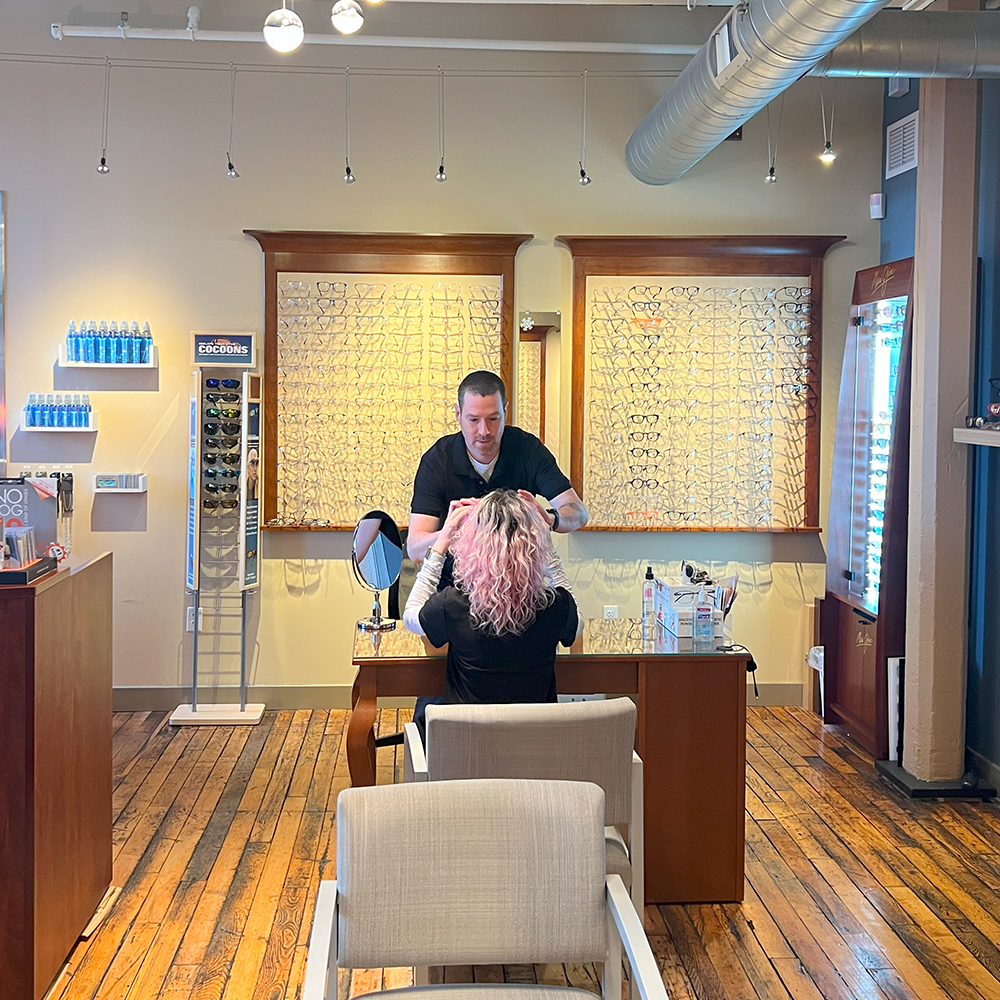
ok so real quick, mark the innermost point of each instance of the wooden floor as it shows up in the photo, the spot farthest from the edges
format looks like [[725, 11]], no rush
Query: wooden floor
[[222, 835]]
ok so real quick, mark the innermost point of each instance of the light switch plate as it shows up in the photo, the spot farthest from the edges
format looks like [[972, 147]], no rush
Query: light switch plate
[[610, 610]]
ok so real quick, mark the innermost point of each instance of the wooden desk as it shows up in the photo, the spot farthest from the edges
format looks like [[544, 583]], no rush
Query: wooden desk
[[691, 737], [55, 769]]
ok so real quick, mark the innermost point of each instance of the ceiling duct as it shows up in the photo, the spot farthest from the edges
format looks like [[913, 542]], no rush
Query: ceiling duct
[[954, 44], [760, 49]]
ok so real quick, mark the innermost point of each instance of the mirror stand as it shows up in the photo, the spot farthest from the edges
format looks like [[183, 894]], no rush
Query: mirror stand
[[376, 623]]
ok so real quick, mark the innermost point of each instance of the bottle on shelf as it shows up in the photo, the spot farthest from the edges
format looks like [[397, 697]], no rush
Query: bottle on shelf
[[72, 343], [114, 344], [48, 410], [90, 343], [86, 411], [147, 343], [30, 411], [102, 343], [128, 343]]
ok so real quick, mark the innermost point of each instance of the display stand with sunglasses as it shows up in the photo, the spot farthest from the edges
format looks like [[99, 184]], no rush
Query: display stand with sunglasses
[[223, 525]]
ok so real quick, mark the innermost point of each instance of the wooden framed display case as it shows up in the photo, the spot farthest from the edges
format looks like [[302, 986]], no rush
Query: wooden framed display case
[[862, 619], [366, 337], [696, 374]]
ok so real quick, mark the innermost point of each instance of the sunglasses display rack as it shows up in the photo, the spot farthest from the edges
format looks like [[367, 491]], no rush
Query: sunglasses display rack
[[699, 394], [368, 368], [222, 538]]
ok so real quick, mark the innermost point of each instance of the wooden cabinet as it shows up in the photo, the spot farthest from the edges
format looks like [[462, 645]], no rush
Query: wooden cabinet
[[55, 770], [863, 616]]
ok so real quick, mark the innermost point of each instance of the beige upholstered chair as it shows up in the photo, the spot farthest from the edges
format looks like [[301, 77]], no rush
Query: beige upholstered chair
[[578, 741], [489, 871]]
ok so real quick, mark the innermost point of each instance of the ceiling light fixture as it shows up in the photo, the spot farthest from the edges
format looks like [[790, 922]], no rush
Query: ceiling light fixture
[[584, 176], [349, 177], [283, 30], [828, 155], [102, 167], [232, 172], [440, 176], [772, 153], [346, 16]]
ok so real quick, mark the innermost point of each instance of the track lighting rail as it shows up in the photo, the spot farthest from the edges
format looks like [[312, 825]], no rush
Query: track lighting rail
[[63, 31]]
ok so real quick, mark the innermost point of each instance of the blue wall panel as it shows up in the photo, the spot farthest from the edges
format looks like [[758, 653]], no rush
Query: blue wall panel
[[899, 225], [983, 703]]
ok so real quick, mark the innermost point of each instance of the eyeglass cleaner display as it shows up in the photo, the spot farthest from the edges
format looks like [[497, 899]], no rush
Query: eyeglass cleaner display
[[47, 409], [109, 343]]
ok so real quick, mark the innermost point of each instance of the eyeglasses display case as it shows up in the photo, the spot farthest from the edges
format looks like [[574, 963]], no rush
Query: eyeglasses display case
[[862, 619]]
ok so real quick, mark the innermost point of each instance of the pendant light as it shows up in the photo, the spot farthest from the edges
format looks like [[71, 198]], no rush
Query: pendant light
[[346, 16], [828, 155], [283, 30], [231, 173], [349, 177], [772, 153], [102, 167], [585, 179], [440, 176]]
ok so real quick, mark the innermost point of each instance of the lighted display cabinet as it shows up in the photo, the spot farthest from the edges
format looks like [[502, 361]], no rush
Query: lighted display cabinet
[[862, 619]]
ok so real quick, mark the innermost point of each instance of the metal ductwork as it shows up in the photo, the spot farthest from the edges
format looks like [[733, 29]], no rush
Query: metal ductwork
[[760, 49], [952, 44]]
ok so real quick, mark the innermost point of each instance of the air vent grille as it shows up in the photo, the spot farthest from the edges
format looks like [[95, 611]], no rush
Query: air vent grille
[[901, 145]]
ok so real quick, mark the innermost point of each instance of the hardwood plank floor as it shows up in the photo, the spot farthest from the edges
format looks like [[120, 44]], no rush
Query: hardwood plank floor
[[223, 834]]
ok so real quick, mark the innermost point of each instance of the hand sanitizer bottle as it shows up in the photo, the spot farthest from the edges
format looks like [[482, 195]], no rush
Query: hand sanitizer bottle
[[703, 627]]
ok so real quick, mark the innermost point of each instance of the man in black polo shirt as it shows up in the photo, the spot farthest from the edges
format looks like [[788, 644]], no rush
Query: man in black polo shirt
[[485, 455]]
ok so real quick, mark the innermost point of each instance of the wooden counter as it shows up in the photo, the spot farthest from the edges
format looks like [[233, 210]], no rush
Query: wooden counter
[[55, 769]]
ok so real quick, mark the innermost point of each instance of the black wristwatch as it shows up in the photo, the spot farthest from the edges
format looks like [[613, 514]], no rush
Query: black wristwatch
[[555, 515]]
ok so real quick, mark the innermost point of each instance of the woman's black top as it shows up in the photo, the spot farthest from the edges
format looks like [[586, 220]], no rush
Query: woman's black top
[[490, 669]]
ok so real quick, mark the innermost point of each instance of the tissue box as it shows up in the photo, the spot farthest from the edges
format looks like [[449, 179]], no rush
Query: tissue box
[[680, 620]]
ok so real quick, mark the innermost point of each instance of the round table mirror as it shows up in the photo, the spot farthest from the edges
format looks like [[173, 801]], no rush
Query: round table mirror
[[377, 556]]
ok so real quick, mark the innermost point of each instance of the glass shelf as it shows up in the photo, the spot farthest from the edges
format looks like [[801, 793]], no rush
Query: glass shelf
[[154, 361], [60, 430]]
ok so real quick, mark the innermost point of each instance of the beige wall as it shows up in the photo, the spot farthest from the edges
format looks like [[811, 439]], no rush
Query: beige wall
[[160, 238]]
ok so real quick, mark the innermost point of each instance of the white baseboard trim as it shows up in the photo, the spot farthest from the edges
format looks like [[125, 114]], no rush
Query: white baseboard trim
[[987, 768], [327, 696]]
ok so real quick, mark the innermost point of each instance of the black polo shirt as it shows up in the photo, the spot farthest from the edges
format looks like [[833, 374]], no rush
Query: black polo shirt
[[445, 472]]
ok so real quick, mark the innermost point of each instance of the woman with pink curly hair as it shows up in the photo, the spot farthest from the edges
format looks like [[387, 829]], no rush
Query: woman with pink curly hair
[[509, 607]]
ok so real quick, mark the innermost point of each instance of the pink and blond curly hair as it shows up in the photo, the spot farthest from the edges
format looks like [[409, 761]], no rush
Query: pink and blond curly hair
[[502, 551]]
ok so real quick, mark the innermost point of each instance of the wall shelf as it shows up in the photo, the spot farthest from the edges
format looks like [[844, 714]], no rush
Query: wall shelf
[[977, 435], [140, 477], [154, 361], [61, 430]]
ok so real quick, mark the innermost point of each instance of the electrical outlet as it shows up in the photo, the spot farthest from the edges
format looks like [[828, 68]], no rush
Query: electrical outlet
[[189, 620], [610, 610]]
